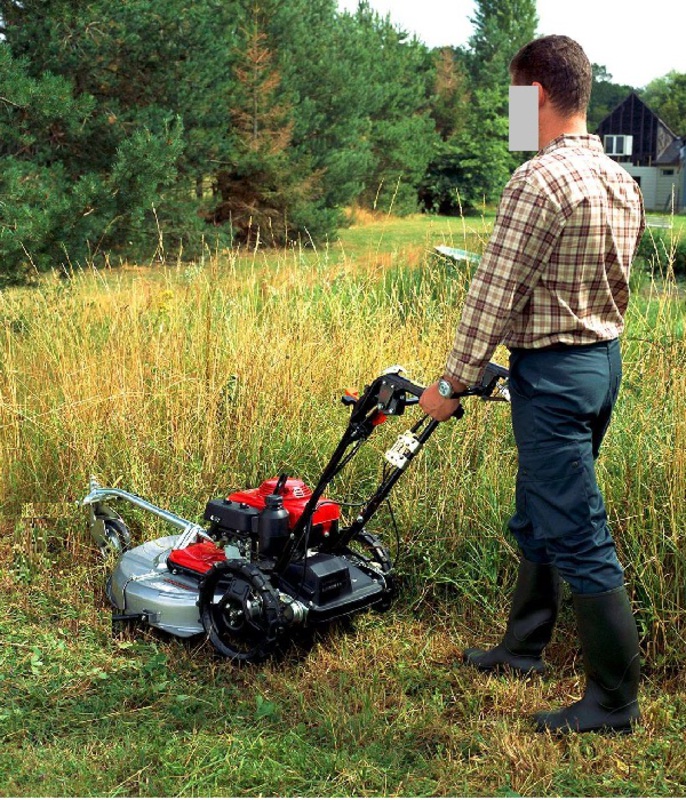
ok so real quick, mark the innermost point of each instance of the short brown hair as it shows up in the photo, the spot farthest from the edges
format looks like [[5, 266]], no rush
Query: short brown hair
[[560, 65]]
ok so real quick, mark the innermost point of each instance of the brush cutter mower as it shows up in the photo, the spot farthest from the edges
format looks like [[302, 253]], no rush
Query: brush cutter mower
[[272, 559]]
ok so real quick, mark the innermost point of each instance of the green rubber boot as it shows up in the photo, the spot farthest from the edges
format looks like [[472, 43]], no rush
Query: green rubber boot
[[533, 613], [609, 641]]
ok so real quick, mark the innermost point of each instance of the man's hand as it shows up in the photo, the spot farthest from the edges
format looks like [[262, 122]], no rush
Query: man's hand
[[440, 408]]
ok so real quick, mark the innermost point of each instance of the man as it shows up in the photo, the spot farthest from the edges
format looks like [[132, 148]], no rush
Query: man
[[553, 286]]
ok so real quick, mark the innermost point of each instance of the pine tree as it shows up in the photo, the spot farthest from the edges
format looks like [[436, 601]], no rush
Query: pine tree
[[450, 102], [142, 71], [501, 27], [117, 117], [262, 190], [472, 166], [398, 78]]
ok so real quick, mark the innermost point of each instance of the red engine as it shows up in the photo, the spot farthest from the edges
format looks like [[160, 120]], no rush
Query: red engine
[[262, 518], [295, 495]]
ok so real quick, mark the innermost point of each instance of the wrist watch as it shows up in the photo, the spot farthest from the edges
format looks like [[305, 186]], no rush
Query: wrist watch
[[445, 388]]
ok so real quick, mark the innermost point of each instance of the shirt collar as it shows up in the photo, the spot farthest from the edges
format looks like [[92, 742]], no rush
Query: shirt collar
[[588, 140]]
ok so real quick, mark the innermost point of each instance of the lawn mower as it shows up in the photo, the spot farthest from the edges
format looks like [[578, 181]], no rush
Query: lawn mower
[[273, 559]]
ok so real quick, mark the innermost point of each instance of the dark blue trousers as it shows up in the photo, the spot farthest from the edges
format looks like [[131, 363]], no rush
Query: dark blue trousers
[[562, 401]]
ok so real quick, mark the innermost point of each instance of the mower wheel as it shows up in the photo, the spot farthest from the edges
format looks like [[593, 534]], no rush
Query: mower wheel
[[371, 550], [240, 611], [116, 536]]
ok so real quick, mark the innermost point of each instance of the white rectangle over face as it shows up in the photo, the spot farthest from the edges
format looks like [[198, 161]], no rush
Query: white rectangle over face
[[523, 118]]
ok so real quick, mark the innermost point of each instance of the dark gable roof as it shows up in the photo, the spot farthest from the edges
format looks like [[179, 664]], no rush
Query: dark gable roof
[[671, 154], [654, 141]]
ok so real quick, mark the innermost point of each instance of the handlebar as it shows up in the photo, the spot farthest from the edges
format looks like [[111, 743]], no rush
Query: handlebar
[[493, 384], [387, 395], [390, 393]]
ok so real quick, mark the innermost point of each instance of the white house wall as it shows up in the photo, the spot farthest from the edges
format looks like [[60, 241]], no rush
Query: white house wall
[[669, 190], [648, 181], [658, 188]]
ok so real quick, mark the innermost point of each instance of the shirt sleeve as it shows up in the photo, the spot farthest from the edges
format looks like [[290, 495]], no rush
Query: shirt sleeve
[[527, 227]]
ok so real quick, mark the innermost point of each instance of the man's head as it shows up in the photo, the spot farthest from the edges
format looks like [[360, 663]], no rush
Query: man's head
[[561, 67]]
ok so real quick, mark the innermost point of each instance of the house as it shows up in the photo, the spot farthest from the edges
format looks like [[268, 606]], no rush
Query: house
[[650, 152]]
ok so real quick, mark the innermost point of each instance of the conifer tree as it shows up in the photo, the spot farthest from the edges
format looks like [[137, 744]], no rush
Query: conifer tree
[[451, 93], [472, 166], [501, 27], [141, 71], [117, 118], [261, 190]]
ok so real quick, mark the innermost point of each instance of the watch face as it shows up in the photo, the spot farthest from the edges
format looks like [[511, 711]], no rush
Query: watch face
[[444, 388]]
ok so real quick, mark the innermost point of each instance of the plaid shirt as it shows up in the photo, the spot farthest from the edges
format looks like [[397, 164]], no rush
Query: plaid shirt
[[556, 269]]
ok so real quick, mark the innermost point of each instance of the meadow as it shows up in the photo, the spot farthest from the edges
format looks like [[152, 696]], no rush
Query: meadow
[[185, 381]]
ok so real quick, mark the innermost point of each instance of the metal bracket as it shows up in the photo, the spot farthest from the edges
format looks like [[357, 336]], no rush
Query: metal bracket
[[402, 451], [190, 531]]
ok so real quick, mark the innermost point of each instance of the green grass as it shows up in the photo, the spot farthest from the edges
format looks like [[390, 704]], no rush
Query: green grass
[[371, 236], [382, 709], [184, 382], [677, 222]]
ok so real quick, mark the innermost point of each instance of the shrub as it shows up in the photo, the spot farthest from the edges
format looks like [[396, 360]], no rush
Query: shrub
[[662, 250]]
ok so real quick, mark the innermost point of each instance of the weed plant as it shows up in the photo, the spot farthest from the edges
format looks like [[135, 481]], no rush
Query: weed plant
[[188, 382]]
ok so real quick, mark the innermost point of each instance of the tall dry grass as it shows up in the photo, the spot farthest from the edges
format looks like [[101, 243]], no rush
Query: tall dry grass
[[196, 380]]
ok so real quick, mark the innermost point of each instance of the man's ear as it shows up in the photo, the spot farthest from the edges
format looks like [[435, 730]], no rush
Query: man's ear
[[542, 94]]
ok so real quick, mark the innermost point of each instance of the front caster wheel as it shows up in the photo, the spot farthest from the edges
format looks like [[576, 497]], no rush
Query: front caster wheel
[[240, 611], [111, 536]]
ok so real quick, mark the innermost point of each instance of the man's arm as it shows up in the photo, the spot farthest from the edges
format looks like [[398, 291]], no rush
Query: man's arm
[[526, 230]]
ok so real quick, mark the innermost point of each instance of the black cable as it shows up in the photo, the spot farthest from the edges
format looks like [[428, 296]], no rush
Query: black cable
[[396, 560], [345, 460]]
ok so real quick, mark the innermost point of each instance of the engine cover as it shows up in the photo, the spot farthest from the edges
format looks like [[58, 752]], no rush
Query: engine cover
[[295, 495]]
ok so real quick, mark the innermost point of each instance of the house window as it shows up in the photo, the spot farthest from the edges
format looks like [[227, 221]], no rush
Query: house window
[[667, 172], [619, 145]]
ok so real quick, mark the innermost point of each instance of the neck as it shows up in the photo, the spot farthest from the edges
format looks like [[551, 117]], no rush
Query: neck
[[553, 125]]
